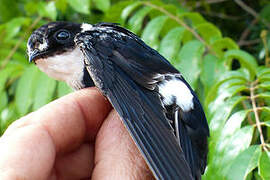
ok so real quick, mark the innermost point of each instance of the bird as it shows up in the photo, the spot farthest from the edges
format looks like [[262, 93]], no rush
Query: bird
[[159, 109]]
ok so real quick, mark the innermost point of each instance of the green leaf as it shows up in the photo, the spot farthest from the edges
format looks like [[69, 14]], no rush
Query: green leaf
[[8, 115], [4, 75], [136, 21], [264, 108], [264, 77], [262, 70], [236, 144], [245, 59], [244, 163], [24, 90], [31, 8], [264, 85], [114, 12], [14, 26], [264, 95], [129, 9], [192, 18], [256, 175], [47, 10], [170, 44], [266, 123], [264, 165], [81, 6], [221, 157], [220, 46], [234, 86], [3, 100], [221, 112], [226, 90], [43, 91], [212, 69], [63, 89], [102, 5], [61, 5], [8, 10], [11, 71], [239, 141], [240, 74], [151, 32], [234, 123], [190, 56], [209, 32]]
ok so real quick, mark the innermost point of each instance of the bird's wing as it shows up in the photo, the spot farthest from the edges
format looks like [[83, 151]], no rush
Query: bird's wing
[[127, 85], [148, 68]]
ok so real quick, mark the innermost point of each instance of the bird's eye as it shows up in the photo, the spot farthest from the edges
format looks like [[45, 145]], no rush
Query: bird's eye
[[62, 35]]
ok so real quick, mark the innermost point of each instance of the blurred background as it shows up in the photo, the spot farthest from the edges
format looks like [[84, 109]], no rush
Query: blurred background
[[220, 46]]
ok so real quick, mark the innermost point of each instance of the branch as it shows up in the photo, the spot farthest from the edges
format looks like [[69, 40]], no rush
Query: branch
[[180, 22], [198, 4], [220, 15], [255, 110], [252, 12], [17, 45], [250, 42], [246, 32]]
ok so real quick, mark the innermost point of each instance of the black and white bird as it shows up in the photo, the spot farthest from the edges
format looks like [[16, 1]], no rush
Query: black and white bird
[[157, 106]]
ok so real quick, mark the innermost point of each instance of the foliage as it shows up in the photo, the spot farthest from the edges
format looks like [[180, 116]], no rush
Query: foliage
[[232, 84]]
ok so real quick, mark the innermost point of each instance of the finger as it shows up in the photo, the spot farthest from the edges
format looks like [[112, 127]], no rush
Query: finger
[[24, 153], [117, 157], [67, 119], [29, 146], [75, 165]]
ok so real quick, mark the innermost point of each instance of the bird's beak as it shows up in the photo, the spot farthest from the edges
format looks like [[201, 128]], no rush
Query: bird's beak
[[33, 55]]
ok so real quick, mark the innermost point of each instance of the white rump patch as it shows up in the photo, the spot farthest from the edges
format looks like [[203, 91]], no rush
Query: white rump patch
[[86, 27], [66, 67], [175, 89]]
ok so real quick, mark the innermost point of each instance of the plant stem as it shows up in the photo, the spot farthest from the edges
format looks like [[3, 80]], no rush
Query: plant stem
[[179, 21], [255, 110]]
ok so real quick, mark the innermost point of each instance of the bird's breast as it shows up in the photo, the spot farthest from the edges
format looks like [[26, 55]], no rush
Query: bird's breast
[[66, 67]]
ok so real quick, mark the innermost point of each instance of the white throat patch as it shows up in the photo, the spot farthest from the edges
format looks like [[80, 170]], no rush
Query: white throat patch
[[66, 67], [175, 89]]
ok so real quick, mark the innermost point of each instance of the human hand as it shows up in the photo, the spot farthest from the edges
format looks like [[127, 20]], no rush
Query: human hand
[[78, 136]]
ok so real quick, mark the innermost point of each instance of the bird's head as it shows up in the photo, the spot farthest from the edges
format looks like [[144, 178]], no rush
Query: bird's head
[[52, 39], [52, 48]]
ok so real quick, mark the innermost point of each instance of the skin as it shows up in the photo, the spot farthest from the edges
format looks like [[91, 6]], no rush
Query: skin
[[75, 137]]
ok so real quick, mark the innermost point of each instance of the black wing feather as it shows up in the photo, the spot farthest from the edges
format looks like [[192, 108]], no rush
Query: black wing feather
[[125, 69], [142, 114], [154, 138]]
